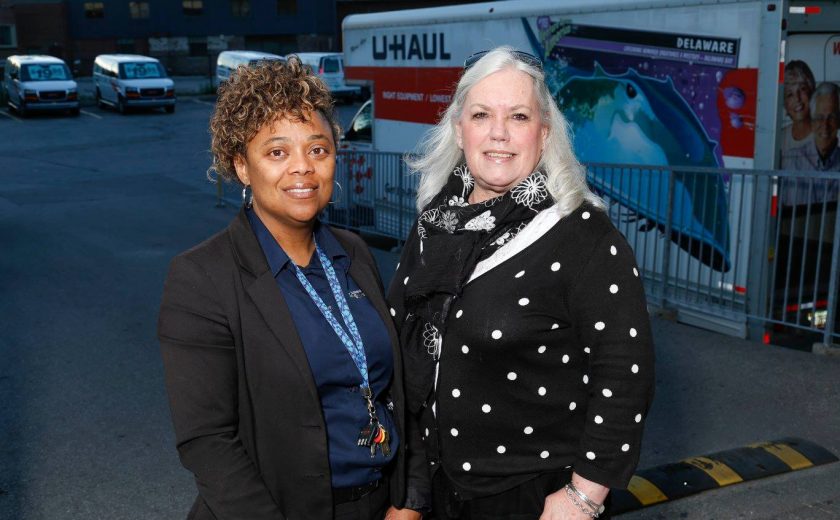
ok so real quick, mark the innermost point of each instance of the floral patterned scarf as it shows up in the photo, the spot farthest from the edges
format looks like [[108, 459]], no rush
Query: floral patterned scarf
[[450, 238]]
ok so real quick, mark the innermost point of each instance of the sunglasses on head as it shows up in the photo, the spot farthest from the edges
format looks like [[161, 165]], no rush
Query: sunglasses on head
[[524, 57]]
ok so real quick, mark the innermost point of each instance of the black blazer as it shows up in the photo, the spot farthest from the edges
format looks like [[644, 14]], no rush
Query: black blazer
[[247, 415]]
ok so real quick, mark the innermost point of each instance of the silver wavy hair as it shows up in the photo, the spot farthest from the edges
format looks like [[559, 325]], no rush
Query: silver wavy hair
[[439, 152]]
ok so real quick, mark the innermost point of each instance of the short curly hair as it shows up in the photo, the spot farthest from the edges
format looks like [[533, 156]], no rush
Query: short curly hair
[[256, 96]]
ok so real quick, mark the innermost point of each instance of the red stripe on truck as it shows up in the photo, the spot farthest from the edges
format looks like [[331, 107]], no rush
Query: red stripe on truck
[[411, 94]]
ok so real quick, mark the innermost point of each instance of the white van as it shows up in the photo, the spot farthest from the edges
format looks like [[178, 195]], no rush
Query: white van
[[330, 67], [228, 62], [39, 83], [125, 81]]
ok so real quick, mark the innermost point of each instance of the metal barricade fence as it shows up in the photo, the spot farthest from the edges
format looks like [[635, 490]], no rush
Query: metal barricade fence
[[696, 233]]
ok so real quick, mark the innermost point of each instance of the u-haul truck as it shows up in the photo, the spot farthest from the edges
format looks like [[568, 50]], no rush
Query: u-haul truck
[[690, 83]]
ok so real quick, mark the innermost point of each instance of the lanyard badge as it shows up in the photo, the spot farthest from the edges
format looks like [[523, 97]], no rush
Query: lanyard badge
[[373, 434]]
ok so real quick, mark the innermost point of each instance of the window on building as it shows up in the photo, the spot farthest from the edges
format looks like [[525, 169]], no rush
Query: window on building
[[192, 7], [94, 9], [198, 46], [240, 8], [126, 46], [139, 10], [7, 36], [286, 6]]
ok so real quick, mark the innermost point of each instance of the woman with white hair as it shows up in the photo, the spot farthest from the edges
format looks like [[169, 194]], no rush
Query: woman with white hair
[[522, 316]]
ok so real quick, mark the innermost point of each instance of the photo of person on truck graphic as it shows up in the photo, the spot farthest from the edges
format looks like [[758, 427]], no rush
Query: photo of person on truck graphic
[[799, 85]]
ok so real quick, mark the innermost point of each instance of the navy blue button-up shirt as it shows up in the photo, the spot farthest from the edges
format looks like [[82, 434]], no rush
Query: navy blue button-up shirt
[[335, 374]]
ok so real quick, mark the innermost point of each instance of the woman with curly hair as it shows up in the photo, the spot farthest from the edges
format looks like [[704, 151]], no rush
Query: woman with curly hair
[[282, 363]]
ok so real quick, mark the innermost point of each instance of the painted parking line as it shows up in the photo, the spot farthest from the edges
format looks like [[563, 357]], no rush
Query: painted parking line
[[10, 116], [91, 114], [697, 474]]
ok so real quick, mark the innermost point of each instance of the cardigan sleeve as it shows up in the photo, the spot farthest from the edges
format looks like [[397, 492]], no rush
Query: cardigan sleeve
[[201, 381], [610, 313]]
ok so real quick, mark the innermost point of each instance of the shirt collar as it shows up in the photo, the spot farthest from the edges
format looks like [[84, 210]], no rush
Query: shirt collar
[[279, 260]]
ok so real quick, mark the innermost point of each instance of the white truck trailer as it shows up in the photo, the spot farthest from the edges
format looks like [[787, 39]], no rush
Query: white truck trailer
[[663, 83]]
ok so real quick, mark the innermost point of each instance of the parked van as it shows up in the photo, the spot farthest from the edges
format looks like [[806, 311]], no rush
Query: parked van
[[228, 62], [330, 67], [39, 83], [125, 81]]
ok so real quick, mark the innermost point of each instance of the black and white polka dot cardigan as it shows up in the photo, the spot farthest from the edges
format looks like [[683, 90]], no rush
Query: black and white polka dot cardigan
[[547, 363]]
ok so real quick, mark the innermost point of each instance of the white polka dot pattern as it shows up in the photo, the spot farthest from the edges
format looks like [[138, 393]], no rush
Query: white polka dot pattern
[[634, 369], [511, 376], [590, 455], [454, 432], [467, 466], [586, 349], [572, 405], [465, 349], [524, 301], [565, 358], [528, 430], [456, 393], [393, 312], [427, 432], [405, 282], [633, 333], [625, 448], [486, 408], [585, 379], [501, 449], [459, 313], [613, 288], [555, 266], [541, 390], [638, 417], [599, 419], [496, 334], [606, 392], [585, 215], [600, 325], [541, 350], [520, 274], [544, 455], [555, 326], [635, 272], [613, 250]]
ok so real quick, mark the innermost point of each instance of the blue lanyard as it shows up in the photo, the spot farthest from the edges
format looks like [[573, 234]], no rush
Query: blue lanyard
[[352, 341]]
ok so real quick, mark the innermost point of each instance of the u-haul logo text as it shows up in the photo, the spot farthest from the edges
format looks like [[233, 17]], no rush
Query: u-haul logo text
[[404, 47]]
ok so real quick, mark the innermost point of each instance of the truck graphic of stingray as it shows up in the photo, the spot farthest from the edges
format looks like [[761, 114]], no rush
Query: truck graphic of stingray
[[631, 119]]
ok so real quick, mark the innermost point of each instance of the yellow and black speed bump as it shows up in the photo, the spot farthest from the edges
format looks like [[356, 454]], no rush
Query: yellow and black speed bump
[[696, 474]]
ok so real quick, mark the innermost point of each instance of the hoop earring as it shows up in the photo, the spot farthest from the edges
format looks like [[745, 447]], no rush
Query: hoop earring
[[247, 200], [339, 189]]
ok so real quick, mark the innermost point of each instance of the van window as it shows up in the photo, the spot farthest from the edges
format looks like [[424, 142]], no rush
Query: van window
[[331, 65], [141, 70], [362, 126], [45, 72]]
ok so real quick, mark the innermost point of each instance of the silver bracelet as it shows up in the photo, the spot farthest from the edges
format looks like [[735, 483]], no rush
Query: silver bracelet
[[595, 506], [583, 507]]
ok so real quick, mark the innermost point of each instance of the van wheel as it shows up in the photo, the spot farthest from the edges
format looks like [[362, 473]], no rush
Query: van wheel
[[169, 109], [121, 105]]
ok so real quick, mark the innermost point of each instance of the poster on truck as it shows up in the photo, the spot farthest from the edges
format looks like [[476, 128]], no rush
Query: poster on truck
[[811, 121], [658, 99]]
